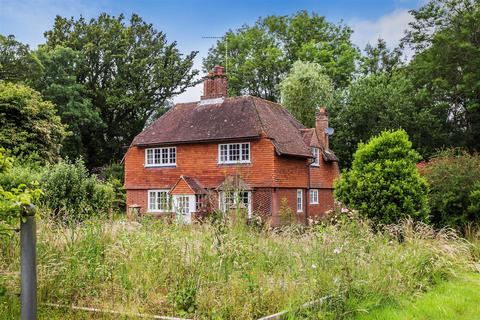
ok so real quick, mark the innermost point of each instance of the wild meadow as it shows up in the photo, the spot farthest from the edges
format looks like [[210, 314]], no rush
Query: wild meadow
[[224, 270]]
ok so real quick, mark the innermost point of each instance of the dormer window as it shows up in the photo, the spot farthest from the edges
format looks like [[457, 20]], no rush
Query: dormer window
[[161, 157], [316, 155], [232, 153]]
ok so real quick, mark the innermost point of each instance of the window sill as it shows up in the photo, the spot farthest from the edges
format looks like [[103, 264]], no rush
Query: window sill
[[232, 163], [160, 166], [314, 203], [315, 165]]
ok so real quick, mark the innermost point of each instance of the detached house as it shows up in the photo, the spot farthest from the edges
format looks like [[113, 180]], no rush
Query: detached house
[[199, 150]]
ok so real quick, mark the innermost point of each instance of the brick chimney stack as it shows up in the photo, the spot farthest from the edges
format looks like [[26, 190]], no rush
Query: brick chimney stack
[[215, 84], [321, 124]]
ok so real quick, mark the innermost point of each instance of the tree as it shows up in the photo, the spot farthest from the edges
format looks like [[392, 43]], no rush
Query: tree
[[304, 90], [28, 124], [445, 35], [380, 59], [128, 70], [383, 101], [259, 56], [58, 84], [384, 184], [454, 179], [16, 62]]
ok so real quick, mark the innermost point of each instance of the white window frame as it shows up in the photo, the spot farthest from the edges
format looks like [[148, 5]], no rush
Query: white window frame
[[313, 196], [316, 155], [236, 197], [228, 147], [299, 200], [156, 209], [161, 151]]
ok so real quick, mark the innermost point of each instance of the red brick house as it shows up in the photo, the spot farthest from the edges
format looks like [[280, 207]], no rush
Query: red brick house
[[201, 149]]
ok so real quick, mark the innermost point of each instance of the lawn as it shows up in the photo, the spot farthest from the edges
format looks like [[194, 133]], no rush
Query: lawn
[[232, 271], [456, 299]]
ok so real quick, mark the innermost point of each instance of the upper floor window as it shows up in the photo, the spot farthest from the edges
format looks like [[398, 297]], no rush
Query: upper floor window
[[155, 157], [316, 155], [234, 153]]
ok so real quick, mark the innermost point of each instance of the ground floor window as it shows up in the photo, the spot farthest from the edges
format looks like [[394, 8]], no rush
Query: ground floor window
[[233, 199], [314, 196], [183, 203], [299, 200], [158, 201], [200, 201]]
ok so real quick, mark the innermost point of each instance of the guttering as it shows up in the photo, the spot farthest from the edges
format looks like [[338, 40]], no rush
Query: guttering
[[169, 143]]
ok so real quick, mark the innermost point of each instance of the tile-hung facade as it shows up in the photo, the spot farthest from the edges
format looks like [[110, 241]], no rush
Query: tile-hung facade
[[225, 153]]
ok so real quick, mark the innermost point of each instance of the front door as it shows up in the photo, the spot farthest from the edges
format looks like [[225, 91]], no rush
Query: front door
[[184, 206]]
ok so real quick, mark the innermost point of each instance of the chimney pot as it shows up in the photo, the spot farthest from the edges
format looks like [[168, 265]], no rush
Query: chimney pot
[[215, 84]]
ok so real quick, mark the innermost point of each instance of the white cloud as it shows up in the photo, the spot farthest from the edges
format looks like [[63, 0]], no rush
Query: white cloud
[[390, 27]]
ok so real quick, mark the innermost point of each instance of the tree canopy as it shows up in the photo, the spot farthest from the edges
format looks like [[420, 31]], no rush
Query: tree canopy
[[259, 56], [28, 123], [304, 90], [128, 72]]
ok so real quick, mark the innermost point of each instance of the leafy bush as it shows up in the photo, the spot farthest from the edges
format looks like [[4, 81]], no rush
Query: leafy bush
[[73, 194], [12, 199], [28, 123], [454, 178], [383, 183]]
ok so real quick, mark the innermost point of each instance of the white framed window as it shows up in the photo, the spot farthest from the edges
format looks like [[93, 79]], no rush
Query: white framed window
[[313, 196], [316, 155], [183, 203], [229, 199], [234, 153], [158, 201], [299, 200], [161, 157]]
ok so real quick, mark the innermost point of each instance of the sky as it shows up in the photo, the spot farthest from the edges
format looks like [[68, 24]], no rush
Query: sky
[[188, 21]]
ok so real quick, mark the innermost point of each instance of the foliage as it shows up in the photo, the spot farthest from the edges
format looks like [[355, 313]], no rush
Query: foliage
[[16, 61], [454, 178], [28, 123], [13, 199], [166, 269], [380, 59], [304, 90], [72, 194], [58, 84], [384, 183], [445, 36], [260, 55], [382, 101], [128, 70]]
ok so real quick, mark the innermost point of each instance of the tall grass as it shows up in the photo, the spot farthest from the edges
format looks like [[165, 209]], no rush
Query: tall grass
[[234, 272]]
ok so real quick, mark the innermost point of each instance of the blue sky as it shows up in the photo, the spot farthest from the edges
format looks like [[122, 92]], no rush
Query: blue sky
[[187, 21]]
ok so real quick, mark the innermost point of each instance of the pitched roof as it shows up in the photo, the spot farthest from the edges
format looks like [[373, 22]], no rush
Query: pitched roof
[[233, 118], [195, 186]]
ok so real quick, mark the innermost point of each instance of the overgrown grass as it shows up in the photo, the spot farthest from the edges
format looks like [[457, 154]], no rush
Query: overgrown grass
[[233, 272]]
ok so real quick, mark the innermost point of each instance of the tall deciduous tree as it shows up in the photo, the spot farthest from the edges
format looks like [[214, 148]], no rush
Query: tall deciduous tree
[[259, 56], [16, 61], [379, 58], [445, 35], [58, 83], [128, 70], [305, 89], [383, 101], [29, 124]]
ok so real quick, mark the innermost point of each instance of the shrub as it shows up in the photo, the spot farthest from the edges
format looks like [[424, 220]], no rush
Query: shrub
[[383, 183], [454, 178], [73, 194]]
